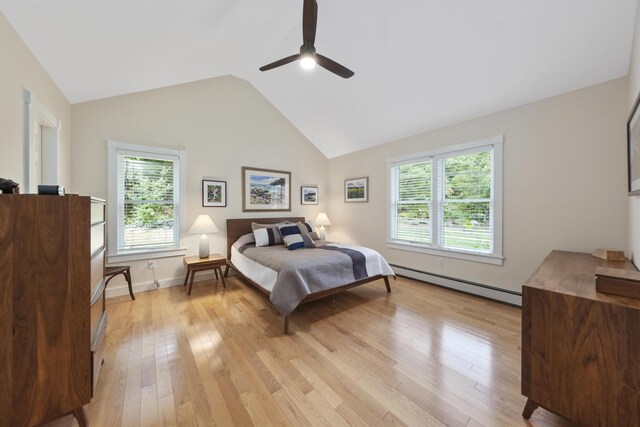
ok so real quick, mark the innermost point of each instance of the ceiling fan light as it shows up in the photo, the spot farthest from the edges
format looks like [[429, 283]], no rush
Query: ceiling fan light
[[307, 62]]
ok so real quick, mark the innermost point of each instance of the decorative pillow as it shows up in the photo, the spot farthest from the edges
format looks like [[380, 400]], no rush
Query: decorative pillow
[[297, 241], [314, 235], [288, 230], [268, 236], [306, 227]]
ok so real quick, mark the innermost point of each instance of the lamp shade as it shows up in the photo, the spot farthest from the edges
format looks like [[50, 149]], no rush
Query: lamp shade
[[203, 225], [322, 219]]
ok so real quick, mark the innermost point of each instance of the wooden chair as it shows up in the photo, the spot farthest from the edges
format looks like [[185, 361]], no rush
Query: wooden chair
[[111, 272]]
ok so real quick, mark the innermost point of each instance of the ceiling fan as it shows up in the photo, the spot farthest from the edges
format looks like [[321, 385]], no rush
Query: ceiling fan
[[308, 56]]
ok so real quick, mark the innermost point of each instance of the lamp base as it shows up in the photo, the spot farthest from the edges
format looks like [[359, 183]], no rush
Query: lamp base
[[322, 233], [204, 246]]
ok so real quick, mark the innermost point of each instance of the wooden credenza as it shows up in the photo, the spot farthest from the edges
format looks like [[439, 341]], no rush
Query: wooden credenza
[[46, 277], [580, 348]]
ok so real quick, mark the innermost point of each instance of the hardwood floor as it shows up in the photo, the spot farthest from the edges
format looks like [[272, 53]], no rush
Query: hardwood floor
[[421, 355]]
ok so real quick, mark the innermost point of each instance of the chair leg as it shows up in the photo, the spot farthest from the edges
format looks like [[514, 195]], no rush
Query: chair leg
[[127, 275], [286, 325]]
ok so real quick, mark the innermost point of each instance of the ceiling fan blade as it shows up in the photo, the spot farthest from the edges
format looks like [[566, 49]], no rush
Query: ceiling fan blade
[[309, 22], [280, 62], [333, 66]]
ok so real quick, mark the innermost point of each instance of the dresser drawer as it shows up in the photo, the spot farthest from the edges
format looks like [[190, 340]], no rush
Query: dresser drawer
[[96, 313], [97, 273], [97, 237], [97, 350], [97, 211]]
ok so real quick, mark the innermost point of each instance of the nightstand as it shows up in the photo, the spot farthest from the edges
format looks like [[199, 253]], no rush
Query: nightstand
[[215, 262]]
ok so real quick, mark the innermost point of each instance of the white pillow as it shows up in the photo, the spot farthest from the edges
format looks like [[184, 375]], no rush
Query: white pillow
[[263, 237], [267, 236]]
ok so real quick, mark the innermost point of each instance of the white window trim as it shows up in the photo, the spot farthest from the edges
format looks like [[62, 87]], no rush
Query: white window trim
[[113, 255], [496, 257]]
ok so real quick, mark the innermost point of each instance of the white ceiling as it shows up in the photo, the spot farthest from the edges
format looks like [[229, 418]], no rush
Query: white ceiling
[[419, 64]]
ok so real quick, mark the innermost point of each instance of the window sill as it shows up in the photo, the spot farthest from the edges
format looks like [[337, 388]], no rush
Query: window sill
[[145, 255], [449, 253]]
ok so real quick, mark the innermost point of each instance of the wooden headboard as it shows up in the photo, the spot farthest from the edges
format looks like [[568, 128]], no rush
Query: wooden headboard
[[240, 226]]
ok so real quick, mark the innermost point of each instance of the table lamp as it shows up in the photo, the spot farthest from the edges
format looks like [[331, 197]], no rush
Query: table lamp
[[322, 219], [203, 225]]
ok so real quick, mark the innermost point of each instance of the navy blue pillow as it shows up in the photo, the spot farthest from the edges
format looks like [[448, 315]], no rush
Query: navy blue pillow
[[288, 230], [297, 241]]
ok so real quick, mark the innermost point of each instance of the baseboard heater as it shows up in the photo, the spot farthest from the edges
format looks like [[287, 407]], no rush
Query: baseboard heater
[[466, 286]]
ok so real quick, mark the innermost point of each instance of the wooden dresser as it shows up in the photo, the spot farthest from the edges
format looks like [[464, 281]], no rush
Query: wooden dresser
[[49, 266], [580, 348]]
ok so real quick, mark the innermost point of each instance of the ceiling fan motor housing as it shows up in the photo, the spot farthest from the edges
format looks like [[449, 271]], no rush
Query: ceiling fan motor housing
[[307, 50]]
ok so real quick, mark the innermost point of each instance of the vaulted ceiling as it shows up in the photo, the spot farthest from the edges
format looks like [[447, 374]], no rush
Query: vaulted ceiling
[[419, 64]]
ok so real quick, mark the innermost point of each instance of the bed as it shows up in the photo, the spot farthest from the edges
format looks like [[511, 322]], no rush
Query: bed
[[291, 278]]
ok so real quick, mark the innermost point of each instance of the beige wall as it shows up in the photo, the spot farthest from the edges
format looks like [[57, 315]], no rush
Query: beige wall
[[224, 124], [634, 89], [19, 71], [564, 183]]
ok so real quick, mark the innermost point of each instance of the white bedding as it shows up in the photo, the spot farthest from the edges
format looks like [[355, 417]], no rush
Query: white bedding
[[261, 275]]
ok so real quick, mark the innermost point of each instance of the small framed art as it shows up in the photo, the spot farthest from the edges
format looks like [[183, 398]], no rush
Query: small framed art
[[356, 189], [214, 193], [308, 195], [265, 190], [633, 149]]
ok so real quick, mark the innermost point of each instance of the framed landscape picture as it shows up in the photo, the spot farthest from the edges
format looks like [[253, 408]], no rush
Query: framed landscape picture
[[308, 195], [633, 149], [265, 190], [356, 189], [214, 193]]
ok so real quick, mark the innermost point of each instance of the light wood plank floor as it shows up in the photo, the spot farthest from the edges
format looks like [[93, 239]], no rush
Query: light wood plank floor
[[421, 355]]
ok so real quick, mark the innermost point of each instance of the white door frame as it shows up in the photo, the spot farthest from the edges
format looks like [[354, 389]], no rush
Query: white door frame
[[40, 159]]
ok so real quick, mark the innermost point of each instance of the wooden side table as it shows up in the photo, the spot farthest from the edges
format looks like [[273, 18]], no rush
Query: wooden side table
[[215, 262]]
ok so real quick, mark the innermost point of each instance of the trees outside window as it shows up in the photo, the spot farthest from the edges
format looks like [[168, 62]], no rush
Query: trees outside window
[[144, 184]]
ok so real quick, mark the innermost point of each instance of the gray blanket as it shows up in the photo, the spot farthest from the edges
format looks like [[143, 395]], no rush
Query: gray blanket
[[307, 271]]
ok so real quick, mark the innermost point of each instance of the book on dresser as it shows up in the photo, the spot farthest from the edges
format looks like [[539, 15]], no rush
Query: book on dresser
[[52, 317]]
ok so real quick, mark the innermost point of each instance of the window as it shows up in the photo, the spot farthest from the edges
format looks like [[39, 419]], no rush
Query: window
[[144, 200], [449, 202]]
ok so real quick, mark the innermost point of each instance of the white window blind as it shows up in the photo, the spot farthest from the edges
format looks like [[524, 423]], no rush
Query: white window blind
[[411, 202], [446, 200], [148, 214], [466, 204]]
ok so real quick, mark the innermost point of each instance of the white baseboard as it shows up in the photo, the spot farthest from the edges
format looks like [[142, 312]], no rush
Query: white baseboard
[[479, 289], [150, 286]]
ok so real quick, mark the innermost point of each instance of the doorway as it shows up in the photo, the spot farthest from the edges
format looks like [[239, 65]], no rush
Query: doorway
[[42, 134]]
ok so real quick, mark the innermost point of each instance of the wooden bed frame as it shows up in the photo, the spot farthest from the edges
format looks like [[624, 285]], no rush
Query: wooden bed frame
[[240, 227]]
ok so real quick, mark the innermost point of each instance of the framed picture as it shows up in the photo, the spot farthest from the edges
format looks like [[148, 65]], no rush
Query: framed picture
[[214, 193], [308, 195], [633, 149], [265, 190], [356, 189]]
